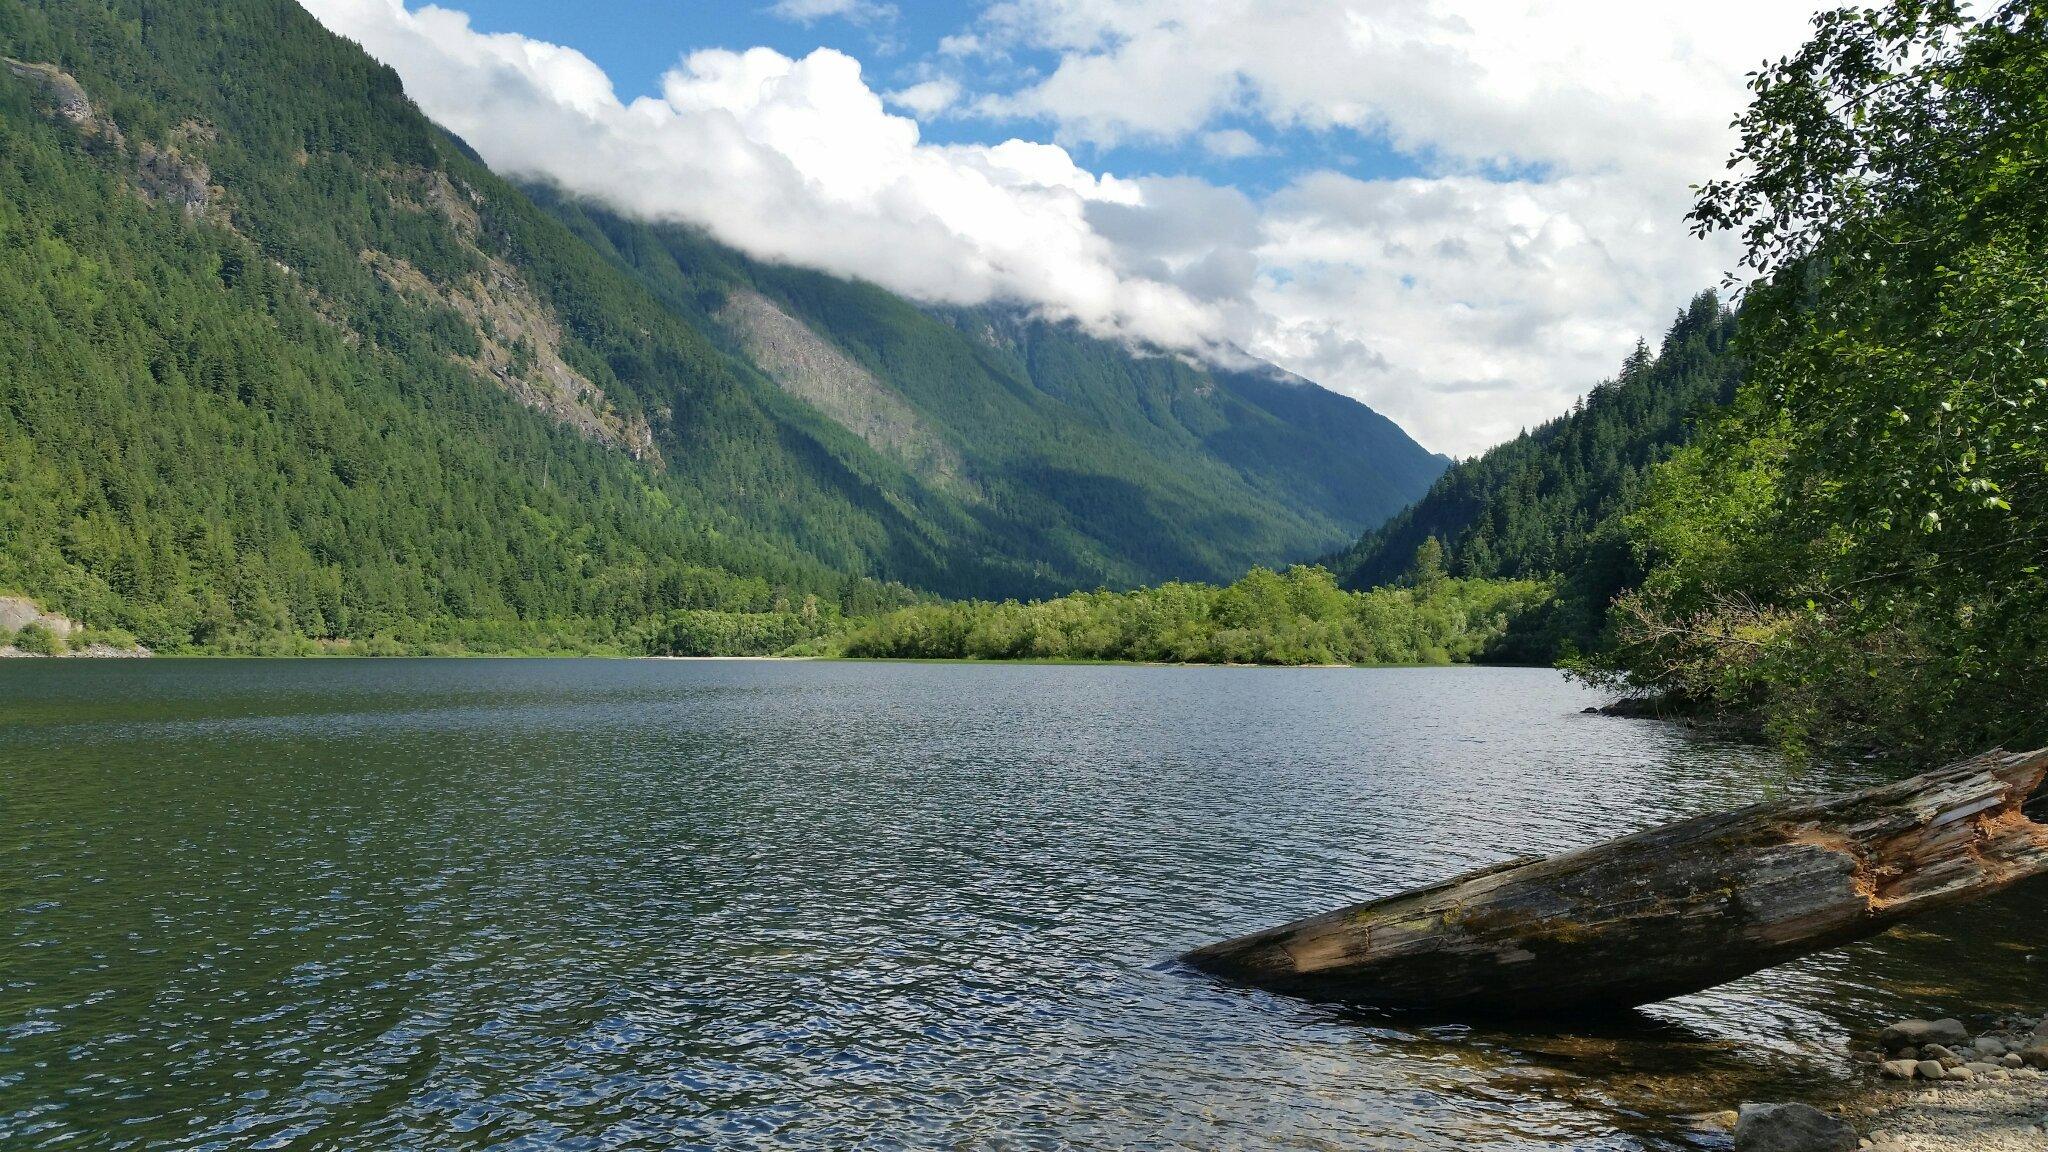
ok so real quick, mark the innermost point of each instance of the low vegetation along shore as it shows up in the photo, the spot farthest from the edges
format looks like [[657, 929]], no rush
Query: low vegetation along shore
[[1296, 617]]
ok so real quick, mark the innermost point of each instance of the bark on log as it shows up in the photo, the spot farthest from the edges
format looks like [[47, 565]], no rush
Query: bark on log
[[1674, 910]]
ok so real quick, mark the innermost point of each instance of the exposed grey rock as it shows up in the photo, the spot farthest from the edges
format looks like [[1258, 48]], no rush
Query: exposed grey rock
[[17, 613], [167, 177], [1931, 1070], [2036, 1057], [1899, 1069], [1924, 1032], [816, 371], [67, 97], [1791, 1128]]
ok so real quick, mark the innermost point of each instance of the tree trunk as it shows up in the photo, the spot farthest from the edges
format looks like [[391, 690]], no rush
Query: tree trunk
[[1670, 911]]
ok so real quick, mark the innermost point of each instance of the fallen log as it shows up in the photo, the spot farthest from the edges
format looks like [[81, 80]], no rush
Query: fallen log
[[1674, 910]]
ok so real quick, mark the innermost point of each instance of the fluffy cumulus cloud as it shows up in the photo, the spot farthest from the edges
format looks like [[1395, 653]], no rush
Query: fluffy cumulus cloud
[[1558, 144], [791, 160], [1540, 234]]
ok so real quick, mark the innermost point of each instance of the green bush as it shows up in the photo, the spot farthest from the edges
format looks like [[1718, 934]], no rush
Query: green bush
[[1297, 617], [37, 640]]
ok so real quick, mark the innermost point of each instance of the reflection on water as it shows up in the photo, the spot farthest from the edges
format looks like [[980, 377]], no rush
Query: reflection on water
[[608, 905]]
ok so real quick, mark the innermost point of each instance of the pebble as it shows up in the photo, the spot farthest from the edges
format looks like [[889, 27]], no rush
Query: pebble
[[1899, 1069], [1930, 1070]]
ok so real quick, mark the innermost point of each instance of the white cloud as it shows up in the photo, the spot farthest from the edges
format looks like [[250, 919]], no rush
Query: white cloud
[[1469, 308], [1594, 84], [1232, 144], [1543, 236], [1558, 144], [927, 99], [811, 11], [792, 160]]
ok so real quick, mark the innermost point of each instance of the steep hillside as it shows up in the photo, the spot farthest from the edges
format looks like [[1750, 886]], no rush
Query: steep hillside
[[1078, 460], [241, 399], [1547, 502], [278, 357]]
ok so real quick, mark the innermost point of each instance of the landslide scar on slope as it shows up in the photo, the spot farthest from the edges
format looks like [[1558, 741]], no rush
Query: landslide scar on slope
[[519, 338], [812, 369]]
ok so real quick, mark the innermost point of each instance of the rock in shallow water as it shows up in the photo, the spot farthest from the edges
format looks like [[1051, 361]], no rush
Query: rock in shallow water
[[1791, 1128], [1924, 1032]]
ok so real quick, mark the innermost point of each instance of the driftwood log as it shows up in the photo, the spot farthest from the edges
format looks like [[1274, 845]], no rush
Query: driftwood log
[[1670, 911]]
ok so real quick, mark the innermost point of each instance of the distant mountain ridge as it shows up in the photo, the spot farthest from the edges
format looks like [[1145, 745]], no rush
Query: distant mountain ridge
[[279, 357], [1089, 451]]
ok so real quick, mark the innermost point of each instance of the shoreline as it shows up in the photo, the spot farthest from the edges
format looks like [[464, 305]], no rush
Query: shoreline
[[1920, 1086]]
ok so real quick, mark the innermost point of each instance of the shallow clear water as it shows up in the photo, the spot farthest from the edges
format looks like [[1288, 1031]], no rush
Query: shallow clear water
[[656, 904]]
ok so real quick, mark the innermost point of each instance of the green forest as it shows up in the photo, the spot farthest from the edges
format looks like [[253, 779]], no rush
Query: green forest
[[285, 368], [258, 396], [1822, 516], [1852, 554]]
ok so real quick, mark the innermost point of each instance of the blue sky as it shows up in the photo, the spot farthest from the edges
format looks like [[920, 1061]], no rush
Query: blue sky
[[1462, 214]]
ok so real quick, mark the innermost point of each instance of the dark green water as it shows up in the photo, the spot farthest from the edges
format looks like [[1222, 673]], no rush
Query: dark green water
[[527, 905]]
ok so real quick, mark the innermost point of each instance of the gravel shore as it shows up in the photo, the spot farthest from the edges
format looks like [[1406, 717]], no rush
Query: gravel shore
[[2007, 1117], [1933, 1087]]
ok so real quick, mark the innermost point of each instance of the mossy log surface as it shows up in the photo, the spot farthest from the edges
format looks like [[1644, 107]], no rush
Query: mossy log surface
[[1671, 911]]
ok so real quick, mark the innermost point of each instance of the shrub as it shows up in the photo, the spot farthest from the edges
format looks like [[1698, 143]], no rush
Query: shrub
[[37, 640]]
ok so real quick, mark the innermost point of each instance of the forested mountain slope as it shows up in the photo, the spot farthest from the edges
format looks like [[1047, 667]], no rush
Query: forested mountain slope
[[278, 357], [1059, 447], [1549, 502]]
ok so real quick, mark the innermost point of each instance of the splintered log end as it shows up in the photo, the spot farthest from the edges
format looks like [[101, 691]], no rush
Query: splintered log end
[[1673, 910]]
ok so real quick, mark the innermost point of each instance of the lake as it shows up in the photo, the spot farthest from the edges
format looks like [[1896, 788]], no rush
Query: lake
[[590, 904]]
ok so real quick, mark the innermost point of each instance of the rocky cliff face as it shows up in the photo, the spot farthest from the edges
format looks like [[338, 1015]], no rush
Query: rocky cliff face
[[170, 173], [17, 612], [519, 338], [67, 97]]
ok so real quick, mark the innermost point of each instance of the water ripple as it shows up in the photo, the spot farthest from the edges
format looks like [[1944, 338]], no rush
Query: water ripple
[[444, 905]]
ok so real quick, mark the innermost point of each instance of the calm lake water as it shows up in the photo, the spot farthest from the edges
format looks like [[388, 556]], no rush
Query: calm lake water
[[523, 905]]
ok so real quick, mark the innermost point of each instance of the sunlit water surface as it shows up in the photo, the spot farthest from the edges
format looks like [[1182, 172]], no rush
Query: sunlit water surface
[[452, 905]]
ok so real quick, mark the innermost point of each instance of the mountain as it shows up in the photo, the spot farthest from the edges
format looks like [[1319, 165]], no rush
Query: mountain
[[1549, 502], [281, 358], [1072, 454]]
